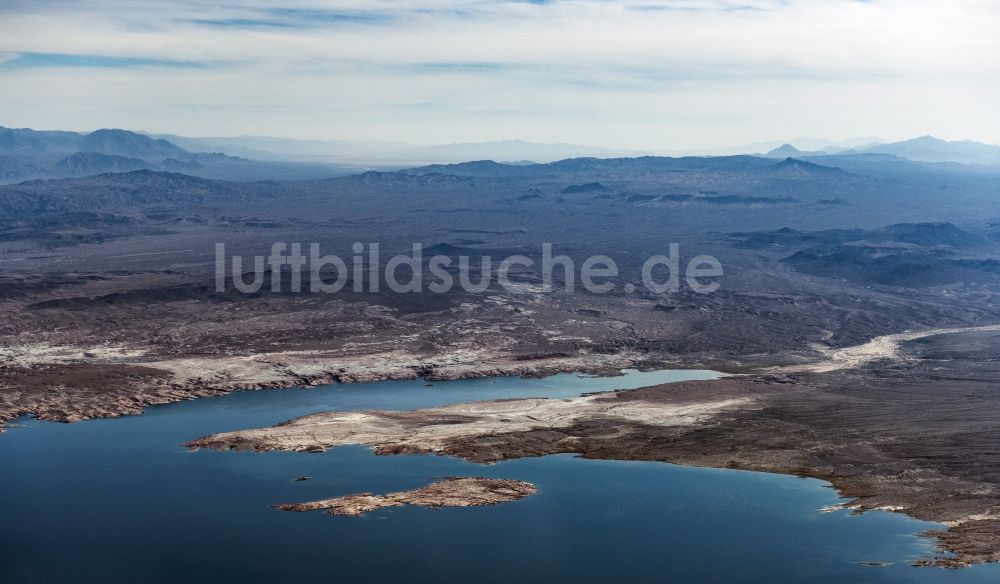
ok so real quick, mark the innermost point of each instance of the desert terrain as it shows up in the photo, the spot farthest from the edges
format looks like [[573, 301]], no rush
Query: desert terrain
[[860, 333]]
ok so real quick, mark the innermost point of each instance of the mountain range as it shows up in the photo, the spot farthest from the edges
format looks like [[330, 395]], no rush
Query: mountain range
[[922, 149], [394, 153], [27, 154]]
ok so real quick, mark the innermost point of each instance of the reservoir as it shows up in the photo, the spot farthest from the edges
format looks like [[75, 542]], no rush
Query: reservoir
[[119, 500]]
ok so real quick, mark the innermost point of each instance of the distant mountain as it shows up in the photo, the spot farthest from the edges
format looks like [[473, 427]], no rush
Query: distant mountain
[[789, 151], [484, 168], [803, 144], [84, 163], [784, 151], [28, 142], [922, 149], [22, 141], [931, 149], [289, 149], [393, 153], [27, 154], [790, 167], [126, 143], [515, 150]]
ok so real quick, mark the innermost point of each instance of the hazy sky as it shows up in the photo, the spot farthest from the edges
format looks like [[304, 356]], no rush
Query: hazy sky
[[661, 74]]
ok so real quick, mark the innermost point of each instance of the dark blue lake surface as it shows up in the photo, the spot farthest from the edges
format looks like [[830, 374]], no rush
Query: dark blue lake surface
[[120, 501]]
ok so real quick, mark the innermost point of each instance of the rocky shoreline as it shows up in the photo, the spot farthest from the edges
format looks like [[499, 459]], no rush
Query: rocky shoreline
[[82, 390], [855, 429], [875, 433]]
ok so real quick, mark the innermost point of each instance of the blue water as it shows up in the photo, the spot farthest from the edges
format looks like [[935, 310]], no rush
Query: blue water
[[120, 501]]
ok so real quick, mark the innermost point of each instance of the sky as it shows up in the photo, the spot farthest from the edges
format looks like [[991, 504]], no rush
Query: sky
[[660, 75]]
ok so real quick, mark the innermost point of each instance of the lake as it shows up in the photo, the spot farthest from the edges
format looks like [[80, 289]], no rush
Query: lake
[[119, 500]]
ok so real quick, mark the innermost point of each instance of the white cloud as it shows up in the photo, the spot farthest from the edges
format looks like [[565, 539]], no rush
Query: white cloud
[[644, 74]]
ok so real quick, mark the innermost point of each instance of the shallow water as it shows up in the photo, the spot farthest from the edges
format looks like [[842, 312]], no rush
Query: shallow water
[[121, 501]]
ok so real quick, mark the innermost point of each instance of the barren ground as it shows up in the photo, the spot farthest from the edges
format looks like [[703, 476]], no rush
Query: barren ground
[[108, 306]]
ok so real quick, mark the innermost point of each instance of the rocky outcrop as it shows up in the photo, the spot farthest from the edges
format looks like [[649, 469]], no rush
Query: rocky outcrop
[[451, 492]]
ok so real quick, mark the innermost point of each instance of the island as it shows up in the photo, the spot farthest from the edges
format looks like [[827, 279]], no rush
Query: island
[[450, 492]]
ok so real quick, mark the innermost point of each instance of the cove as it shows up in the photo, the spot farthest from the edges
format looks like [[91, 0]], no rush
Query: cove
[[119, 500]]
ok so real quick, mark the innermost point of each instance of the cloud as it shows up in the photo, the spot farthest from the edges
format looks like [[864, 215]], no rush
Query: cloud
[[293, 18], [631, 73], [48, 60]]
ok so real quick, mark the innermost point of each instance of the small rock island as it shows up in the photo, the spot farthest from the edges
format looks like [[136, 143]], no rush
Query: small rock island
[[450, 492]]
